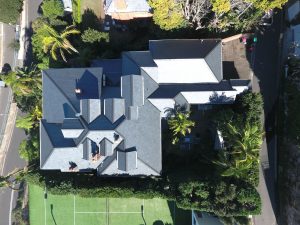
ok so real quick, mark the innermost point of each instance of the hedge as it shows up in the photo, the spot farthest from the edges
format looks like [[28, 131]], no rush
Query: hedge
[[221, 197]]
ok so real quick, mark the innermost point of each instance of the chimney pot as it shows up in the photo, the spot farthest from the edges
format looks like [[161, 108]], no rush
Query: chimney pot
[[77, 90]]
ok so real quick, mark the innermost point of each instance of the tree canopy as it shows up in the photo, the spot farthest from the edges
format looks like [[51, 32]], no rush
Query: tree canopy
[[10, 10], [266, 5], [167, 14], [220, 6]]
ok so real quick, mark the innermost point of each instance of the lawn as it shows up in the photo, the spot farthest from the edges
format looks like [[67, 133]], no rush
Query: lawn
[[75, 210]]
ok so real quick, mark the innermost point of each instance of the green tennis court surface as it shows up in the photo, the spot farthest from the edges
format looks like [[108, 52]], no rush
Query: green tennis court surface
[[75, 210]]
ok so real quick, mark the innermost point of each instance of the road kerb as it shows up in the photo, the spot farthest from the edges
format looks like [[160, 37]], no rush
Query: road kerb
[[9, 128], [1, 44]]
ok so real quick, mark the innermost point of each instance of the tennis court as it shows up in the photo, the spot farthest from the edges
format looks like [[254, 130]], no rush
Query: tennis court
[[75, 210]]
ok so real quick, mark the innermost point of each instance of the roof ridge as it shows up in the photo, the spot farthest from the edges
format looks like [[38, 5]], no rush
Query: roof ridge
[[61, 91], [208, 63], [213, 47], [50, 141], [146, 164]]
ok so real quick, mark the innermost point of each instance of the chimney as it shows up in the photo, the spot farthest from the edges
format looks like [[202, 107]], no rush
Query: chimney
[[78, 91]]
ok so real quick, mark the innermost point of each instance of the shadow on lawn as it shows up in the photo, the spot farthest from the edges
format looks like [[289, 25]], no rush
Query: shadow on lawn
[[51, 207]]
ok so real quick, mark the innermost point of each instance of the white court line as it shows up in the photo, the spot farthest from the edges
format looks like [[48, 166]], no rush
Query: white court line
[[74, 211], [106, 212]]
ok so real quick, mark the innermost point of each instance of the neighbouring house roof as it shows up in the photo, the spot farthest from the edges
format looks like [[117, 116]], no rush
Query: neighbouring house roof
[[108, 118], [187, 61], [293, 9], [181, 61], [127, 9]]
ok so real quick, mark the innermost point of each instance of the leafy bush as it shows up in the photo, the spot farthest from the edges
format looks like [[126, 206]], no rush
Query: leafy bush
[[91, 36], [250, 105], [29, 149], [10, 10], [242, 131], [52, 9]]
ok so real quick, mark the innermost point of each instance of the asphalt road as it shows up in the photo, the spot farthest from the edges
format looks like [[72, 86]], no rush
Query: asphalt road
[[266, 77], [12, 161]]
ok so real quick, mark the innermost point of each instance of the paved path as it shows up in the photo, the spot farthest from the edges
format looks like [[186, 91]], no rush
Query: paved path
[[265, 80], [8, 131]]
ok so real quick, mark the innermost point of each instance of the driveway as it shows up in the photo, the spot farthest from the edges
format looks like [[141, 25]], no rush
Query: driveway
[[267, 69]]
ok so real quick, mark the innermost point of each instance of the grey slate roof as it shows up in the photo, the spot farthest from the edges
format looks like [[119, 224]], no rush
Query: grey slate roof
[[106, 148], [171, 90], [76, 120], [127, 160], [182, 48], [208, 49], [58, 90], [133, 90], [240, 82], [143, 134], [114, 108], [90, 109], [113, 114]]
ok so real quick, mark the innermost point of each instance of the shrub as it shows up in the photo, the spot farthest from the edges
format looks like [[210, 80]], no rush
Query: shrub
[[250, 105], [91, 36]]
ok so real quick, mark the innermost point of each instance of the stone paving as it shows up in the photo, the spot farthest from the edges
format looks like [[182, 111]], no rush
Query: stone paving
[[236, 59]]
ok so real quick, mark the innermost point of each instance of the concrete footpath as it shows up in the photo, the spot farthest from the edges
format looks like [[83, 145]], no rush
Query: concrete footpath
[[9, 128]]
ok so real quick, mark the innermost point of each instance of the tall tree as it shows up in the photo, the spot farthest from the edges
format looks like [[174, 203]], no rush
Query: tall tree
[[167, 14], [195, 11], [10, 10], [58, 42]]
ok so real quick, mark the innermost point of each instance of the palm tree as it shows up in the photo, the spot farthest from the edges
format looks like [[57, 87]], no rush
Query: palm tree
[[31, 72], [243, 151], [24, 81], [55, 41], [246, 142], [180, 125]]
